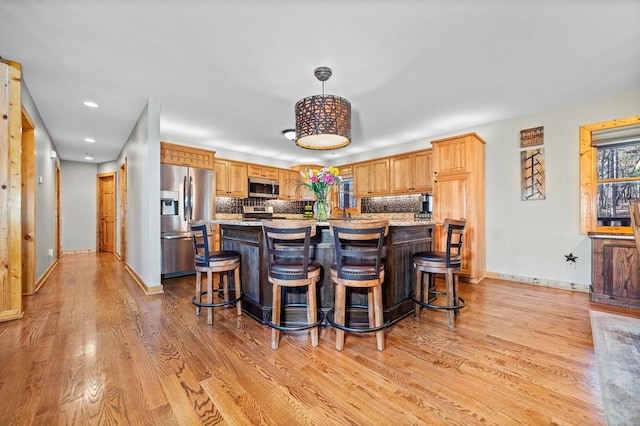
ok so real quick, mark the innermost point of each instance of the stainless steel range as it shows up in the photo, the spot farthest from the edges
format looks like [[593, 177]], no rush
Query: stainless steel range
[[258, 213]]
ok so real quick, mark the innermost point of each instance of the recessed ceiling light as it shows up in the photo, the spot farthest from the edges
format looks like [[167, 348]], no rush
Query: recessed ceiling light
[[90, 140], [91, 104], [88, 156]]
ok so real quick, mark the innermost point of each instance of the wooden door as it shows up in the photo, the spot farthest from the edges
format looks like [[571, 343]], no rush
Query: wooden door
[[123, 211], [238, 184], [401, 174], [379, 177], [423, 171], [450, 201], [28, 209], [106, 212]]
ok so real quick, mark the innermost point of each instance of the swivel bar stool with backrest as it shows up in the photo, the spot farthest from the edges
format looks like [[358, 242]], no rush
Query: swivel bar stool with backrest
[[436, 262], [288, 249], [358, 263], [225, 262]]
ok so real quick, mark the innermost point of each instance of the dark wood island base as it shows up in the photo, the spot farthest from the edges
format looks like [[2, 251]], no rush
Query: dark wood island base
[[404, 239]]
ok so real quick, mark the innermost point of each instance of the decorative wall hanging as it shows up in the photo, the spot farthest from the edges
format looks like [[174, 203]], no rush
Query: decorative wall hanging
[[532, 171], [531, 137]]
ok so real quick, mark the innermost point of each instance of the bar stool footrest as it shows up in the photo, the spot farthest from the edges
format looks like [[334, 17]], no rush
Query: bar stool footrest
[[269, 322], [331, 312], [461, 302], [219, 304]]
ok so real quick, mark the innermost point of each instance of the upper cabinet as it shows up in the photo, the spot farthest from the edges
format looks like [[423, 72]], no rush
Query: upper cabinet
[[288, 184], [231, 178], [371, 178], [411, 172], [458, 192], [186, 156], [258, 171]]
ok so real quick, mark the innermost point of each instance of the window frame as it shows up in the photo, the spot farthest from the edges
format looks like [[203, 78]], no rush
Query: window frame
[[589, 177]]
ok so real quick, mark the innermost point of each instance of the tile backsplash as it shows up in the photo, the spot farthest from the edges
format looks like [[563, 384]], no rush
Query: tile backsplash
[[390, 204]]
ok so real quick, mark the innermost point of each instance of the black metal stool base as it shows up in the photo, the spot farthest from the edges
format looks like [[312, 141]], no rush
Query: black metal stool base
[[269, 322], [219, 304], [461, 302], [330, 315]]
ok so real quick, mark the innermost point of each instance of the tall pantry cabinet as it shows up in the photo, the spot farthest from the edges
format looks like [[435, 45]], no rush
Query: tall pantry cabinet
[[458, 192]]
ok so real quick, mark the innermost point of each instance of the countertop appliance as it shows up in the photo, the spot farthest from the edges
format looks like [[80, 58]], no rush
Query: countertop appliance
[[187, 194], [427, 207], [263, 188]]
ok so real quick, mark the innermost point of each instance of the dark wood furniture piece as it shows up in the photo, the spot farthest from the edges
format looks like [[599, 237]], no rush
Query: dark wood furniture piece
[[289, 266], [359, 264], [402, 241], [615, 270], [634, 215], [227, 263], [447, 262]]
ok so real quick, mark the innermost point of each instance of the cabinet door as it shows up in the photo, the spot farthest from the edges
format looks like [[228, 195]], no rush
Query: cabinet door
[[270, 173], [238, 184], [221, 168], [450, 201], [402, 172], [288, 185], [254, 170], [379, 177], [361, 180], [423, 172], [450, 156]]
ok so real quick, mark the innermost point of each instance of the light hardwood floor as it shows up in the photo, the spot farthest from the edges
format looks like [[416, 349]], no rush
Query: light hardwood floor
[[92, 349]]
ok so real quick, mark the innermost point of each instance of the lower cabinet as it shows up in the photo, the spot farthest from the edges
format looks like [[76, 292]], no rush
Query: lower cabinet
[[400, 245], [615, 275]]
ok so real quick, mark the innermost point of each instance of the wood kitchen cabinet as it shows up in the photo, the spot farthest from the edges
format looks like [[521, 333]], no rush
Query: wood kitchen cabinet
[[411, 172], [289, 186], [231, 178], [259, 171], [615, 276], [371, 178], [180, 155], [458, 192]]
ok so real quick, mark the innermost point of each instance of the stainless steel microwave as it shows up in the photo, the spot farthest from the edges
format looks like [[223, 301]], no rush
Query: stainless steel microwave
[[263, 188]]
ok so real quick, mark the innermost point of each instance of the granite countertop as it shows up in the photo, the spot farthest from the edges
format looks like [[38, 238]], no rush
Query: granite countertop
[[394, 220]]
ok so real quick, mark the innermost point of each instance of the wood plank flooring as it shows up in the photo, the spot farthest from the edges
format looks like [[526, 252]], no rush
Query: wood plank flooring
[[92, 349]]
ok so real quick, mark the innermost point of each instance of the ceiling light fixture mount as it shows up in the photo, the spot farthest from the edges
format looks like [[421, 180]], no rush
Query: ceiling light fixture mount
[[323, 121], [289, 134]]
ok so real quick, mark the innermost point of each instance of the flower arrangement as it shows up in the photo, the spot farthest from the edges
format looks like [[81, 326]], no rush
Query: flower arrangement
[[320, 183]]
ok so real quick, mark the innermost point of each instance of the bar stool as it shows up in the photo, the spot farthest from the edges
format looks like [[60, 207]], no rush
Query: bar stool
[[437, 262], [358, 263], [288, 247], [227, 263]]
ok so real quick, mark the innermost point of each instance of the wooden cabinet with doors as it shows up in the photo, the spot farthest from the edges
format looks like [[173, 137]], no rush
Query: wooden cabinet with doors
[[181, 155], [458, 192], [371, 178], [264, 172], [411, 172], [289, 186], [231, 178]]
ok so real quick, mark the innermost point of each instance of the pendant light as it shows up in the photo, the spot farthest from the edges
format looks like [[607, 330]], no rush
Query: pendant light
[[323, 121]]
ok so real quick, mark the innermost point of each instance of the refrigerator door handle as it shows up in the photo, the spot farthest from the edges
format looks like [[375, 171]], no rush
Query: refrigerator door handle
[[185, 199], [190, 198]]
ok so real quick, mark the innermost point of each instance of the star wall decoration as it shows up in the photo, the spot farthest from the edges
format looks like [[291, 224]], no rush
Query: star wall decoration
[[570, 257]]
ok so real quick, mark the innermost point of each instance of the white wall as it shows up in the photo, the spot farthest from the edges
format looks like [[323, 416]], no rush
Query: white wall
[[142, 155], [78, 205], [529, 239], [45, 197]]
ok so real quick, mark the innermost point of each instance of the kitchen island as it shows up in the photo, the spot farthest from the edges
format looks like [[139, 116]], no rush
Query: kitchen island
[[404, 239]]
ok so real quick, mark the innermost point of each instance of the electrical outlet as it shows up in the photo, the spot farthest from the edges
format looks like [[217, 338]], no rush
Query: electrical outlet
[[571, 264], [51, 252]]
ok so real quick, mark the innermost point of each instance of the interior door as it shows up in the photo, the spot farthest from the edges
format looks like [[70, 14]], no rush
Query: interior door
[[107, 212]]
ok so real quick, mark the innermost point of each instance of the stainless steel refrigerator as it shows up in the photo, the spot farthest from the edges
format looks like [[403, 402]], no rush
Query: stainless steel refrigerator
[[186, 194]]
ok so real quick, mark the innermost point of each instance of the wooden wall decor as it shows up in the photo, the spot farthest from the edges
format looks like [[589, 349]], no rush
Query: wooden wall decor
[[532, 137], [533, 175]]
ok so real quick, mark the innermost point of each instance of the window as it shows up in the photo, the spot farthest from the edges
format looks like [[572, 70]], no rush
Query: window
[[609, 174]]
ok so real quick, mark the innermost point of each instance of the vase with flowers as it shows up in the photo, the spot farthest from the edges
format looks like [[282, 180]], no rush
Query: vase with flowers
[[320, 183]]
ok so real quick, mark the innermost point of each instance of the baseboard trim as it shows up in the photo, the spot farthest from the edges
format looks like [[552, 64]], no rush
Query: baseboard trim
[[147, 290], [583, 288], [44, 277]]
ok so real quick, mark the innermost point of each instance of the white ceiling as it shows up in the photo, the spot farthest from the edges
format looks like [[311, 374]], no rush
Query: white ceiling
[[227, 73]]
